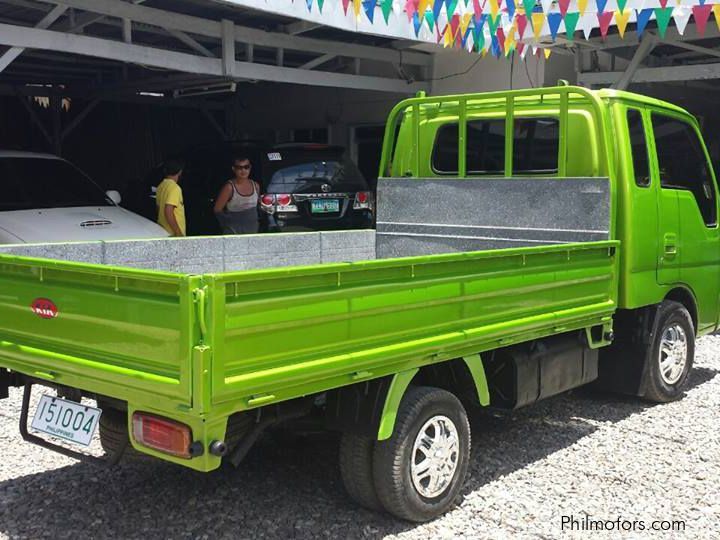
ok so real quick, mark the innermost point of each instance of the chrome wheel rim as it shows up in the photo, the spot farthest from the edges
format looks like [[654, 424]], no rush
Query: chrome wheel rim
[[435, 456], [673, 354]]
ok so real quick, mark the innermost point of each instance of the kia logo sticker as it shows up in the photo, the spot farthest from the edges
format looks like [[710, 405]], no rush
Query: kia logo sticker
[[44, 308]]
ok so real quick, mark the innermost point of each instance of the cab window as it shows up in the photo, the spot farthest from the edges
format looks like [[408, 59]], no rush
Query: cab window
[[682, 163], [638, 147]]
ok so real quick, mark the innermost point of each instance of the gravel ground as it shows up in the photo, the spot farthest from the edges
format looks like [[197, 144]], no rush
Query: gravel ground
[[577, 455]]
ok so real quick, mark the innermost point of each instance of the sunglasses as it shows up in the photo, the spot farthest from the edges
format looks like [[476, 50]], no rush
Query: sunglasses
[[242, 167]]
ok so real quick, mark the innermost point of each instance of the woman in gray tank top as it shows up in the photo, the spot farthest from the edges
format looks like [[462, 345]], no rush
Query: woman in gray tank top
[[236, 204]]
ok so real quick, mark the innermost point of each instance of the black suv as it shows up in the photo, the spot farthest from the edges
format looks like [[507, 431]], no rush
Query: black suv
[[315, 186]]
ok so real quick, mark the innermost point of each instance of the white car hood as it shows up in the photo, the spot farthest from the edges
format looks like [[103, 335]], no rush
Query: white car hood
[[75, 225]]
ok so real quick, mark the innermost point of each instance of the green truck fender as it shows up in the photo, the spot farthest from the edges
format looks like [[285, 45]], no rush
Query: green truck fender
[[402, 380]]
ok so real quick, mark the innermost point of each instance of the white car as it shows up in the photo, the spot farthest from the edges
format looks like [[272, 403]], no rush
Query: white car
[[46, 199]]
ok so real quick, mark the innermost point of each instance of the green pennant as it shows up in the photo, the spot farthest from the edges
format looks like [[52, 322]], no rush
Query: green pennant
[[430, 18], [529, 5], [450, 5], [494, 23], [479, 37], [662, 17], [385, 7], [571, 20], [621, 5], [320, 5]]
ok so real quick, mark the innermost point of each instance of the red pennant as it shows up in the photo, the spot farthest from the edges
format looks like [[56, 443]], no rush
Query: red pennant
[[564, 5], [454, 25], [663, 3], [501, 39], [520, 48], [701, 14], [346, 3], [477, 9], [521, 24], [411, 8], [605, 19]]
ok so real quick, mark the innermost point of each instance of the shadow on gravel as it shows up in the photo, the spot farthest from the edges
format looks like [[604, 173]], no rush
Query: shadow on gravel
[[287, 488]]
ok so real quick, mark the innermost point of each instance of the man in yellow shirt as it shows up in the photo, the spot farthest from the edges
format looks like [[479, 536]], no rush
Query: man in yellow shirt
[[169, 198]]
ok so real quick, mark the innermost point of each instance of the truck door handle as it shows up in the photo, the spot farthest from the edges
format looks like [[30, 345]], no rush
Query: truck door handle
[[670, 247]]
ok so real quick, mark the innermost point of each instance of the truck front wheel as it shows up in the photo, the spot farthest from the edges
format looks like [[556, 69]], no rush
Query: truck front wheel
[[420, 470], [671, 353]]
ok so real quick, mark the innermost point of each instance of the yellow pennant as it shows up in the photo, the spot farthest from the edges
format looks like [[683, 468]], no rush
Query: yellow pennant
[[621, 20], [464, 23], [494, 8], [582, 5], [538, 19], [447, 37], [357, 6], [716, 11], [509, 42], [422, 8], [547, 53]]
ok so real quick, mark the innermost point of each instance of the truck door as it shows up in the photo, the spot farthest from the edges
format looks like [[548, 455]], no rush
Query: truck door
[[668, 234], [688, 200]]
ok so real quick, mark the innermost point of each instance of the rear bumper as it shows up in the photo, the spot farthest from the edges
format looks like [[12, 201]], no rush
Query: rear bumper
[[354, 219]]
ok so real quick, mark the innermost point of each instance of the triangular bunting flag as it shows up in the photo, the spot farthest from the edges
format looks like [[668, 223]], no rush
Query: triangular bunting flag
[[600, 6], [643, 16], [621, 5], [417, 22], [410, 8], [510, 8], [571, 20], [582, 6], [451, 5], [454, 26], [605, 19], [345, 4], [430, 19], [464, 23], [494, 7], [564, 5], [716, 12], [501, 39], [521, 21], [386, 8], [554, 20], [701, 14], [538, 19], [621, 20], [662, 17], [493, 23], [587, 23], [465, 36], [494, 46], [529, 6], [547, 53], [309, 4], [357, 6], [437, 6], [681, 16], [477, 9], [369, 6], [479, 39], [422, 8], [663, 3], [321, 3]]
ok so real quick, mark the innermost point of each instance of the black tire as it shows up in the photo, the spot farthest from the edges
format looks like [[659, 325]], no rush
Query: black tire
[[659, 387], [114, 436], [356, 470], [393, 458]]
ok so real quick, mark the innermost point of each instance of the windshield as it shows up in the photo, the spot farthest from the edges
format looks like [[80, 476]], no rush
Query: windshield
[[29, 183], [312, 167]]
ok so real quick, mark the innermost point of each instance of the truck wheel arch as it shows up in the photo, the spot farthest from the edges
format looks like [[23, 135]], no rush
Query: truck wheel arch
[[683, 295], [456, 375]]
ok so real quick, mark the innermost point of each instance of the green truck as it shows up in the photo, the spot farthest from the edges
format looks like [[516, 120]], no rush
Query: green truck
[[528, 242]]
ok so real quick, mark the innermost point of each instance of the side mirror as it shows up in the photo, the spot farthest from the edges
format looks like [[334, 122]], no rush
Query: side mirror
[[114, 196]]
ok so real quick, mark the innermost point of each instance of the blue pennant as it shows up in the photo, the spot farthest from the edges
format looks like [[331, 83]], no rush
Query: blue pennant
[[601, 5], [554, 20], [510, 6], [369, 6], [467, 33], [309, 4], [495, 47], [417, 23], [437, 6], [479, 23], [643, 17]]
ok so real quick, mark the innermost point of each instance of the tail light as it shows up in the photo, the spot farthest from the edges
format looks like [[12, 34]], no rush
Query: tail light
[[267, 203], [162, 434], [363, 200], [284, 203]]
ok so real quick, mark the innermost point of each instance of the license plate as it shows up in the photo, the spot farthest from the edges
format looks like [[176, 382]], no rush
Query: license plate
[[66, 419], [324, 206]]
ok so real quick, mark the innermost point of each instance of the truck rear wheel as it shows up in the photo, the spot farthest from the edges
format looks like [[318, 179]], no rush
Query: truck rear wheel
[[671, 353], [420, 470], [356, 469], [114, 436]]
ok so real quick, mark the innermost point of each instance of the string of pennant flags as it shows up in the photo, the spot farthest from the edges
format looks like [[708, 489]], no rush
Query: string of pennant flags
[[501, 27]]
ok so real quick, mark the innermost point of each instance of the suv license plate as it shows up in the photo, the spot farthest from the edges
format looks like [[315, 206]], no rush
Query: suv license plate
[[66, 419], [324, 206]]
